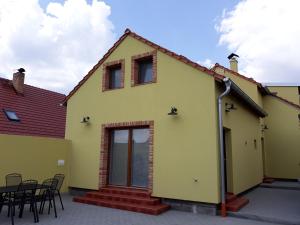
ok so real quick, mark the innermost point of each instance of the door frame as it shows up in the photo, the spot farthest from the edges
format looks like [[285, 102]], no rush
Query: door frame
[[105, 145], [228, 164], [129, 154], [263, 151]]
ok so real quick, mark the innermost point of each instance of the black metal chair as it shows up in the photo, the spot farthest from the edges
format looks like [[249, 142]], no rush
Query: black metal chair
[[13, 179], [47, 193], [60, 178], [2, 199], [25, 194]]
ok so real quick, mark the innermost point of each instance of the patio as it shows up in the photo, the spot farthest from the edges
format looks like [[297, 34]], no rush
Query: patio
[[276, 205], [82, 214]]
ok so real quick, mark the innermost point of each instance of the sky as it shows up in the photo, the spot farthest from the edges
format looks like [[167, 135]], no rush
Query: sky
[[58, 41]]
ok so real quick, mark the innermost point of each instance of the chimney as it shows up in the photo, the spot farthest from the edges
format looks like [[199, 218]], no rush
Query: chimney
[[18, 80], [233, 62]]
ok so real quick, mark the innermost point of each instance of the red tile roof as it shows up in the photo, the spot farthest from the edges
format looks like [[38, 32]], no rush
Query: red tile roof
[[153, 45], [39, 111], [217, 65]]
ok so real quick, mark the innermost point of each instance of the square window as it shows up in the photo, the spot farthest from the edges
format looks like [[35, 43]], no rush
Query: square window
[[143, 68], [113, 75], [11, 115]]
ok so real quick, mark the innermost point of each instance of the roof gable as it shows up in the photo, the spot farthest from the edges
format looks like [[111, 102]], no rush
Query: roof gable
[[216, 76], [151, 44]]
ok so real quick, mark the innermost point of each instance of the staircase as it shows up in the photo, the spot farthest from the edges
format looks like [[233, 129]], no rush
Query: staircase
[[268, 180], [135, 200], [235, 203]]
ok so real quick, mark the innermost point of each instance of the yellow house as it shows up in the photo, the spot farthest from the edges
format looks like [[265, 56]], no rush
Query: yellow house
[[280, 138], [289, 92], [149, 122]]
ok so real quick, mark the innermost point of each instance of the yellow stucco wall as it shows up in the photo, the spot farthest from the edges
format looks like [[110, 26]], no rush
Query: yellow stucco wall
[[248, 87], [244, 158], [282, 139], [290, 93], [33, 157], [185, 147]]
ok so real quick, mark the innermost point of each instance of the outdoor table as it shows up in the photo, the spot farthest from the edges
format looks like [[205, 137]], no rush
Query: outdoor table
[[12, 189]]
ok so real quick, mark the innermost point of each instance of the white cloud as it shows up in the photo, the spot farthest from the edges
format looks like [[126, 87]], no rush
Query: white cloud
[[207, 63], [266, 34], [56, 46]]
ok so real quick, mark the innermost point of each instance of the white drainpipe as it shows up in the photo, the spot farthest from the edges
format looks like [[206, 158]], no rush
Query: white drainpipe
[[222, 169]]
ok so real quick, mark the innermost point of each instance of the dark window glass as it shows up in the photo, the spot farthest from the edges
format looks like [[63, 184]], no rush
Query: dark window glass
[[115, 76], [11, 115], [145, 71]]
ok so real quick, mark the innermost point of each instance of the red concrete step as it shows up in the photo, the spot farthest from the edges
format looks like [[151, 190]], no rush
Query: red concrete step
[[126, 191], [148, 209], [124, 198], [230, 197], [268, 180], [237, 204]]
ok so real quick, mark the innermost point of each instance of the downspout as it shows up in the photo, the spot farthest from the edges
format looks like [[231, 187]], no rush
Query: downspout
[[222, 169]]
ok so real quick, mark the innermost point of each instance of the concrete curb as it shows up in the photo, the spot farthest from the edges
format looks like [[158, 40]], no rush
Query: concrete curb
[[262, 218], [279, 187]]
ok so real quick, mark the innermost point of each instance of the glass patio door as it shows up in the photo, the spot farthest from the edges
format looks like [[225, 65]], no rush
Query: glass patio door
[[129, 153], [118, 157]]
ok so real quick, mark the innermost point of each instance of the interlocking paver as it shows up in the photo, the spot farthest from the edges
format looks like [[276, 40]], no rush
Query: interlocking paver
[[82, 214]]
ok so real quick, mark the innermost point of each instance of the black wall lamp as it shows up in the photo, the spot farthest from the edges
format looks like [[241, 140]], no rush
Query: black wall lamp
[[229, 107], [173, 111], [264, 127], [85, 119]]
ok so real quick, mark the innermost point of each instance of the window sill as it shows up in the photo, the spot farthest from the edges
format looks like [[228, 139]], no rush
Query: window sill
[[113, 89], [142, 84]]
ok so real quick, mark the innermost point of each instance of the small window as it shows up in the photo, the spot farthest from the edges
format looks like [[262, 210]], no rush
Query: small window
[[144, 68], [145, 71], [11, 115], [115, 77]]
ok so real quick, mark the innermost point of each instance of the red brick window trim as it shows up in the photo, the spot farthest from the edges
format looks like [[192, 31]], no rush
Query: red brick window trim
[[104, 149], [106, 74], [135, 67]]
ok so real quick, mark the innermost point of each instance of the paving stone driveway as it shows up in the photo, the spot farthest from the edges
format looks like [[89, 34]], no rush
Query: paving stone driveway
[[81, 214], [275, 205]]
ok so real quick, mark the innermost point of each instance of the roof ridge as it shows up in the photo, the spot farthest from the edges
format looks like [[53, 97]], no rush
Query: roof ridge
[[237, 74], [286, 101], [128, 32], [28, 85]]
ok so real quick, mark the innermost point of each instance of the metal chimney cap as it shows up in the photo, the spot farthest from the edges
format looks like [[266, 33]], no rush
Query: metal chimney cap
[[232, 55], [21, 70]]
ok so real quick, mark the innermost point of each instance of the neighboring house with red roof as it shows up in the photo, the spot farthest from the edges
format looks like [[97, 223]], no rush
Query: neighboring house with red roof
[[30, 111], [32, 131]]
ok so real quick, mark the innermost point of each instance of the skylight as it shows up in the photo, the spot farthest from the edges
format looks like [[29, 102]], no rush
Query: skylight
[[11, 115]]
